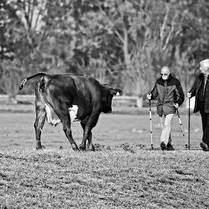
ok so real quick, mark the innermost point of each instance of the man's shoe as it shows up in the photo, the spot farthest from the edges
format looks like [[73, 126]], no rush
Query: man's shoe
[[204, 146], [163, 146], [170, 147]]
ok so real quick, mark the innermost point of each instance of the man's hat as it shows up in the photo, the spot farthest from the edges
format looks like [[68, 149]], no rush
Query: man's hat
[[205, 63]]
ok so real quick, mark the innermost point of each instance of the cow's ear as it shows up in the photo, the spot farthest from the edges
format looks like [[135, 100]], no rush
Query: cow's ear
[[116, 92]]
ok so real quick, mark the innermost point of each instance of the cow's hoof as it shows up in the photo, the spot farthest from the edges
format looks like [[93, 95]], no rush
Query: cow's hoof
[[75, 147], [91, 147], [40, 147], [82, 147]]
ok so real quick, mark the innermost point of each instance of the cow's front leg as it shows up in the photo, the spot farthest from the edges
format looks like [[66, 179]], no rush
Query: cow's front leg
[[38, 125], [87, 126], [82, 146], [89, 146], [87, 137]]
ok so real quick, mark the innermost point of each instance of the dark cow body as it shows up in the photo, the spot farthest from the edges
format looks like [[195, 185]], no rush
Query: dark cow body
[[66, 97]]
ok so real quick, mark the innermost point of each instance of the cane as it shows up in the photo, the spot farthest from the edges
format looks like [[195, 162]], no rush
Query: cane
[[189, 126], [150, 122], [181, 125]]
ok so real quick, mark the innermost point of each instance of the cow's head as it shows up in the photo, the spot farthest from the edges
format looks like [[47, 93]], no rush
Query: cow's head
[[107, 96]]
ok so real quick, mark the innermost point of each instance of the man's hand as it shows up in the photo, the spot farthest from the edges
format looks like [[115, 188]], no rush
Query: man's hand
[[176, 105], [189, 95], [149, 96]]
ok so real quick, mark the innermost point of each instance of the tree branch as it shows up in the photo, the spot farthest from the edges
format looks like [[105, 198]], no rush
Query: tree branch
[[41, 9], [165, 20], [171, 31], [119, 36]]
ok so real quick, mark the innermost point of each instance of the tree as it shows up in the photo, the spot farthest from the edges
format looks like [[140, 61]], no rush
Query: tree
[[10, 69], [123, 42]]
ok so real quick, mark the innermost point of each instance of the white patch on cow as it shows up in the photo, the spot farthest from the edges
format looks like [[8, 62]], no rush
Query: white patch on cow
[[73, 113], [53, 119], [49, 116]]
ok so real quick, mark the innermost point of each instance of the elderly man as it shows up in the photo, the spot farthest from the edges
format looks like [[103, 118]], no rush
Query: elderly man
[[200, 90], [170, 96]]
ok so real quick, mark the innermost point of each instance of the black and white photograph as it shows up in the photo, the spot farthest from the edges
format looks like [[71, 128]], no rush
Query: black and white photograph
[[104, 104]]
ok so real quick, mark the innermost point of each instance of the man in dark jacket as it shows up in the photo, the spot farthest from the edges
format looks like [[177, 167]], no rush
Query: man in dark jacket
[[170, 96], [200, 90]]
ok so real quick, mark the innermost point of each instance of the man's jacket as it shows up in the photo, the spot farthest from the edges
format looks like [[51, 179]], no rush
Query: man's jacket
[[168, 92], [195, 91]]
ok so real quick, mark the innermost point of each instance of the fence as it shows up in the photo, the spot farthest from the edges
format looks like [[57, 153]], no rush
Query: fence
[[118, 101]]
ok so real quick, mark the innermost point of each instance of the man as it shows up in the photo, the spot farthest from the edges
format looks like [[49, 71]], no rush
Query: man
[[200, 90], [170, 96]]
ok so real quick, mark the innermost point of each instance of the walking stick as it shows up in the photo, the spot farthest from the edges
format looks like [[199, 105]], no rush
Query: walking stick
[[189, 126], [150, 122], [181, 125]]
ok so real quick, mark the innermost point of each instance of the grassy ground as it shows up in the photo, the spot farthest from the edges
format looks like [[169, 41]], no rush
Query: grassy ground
[[112, 129], [120, 178], [122, 173]]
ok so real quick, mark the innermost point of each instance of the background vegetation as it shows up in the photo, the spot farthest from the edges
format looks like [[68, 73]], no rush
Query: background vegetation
[[123, 42]]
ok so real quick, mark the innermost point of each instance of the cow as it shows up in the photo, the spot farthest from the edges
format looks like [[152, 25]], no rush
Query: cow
[[67, 98]]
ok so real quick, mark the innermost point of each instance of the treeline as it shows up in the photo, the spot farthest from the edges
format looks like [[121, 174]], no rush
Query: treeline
[[120, 42]]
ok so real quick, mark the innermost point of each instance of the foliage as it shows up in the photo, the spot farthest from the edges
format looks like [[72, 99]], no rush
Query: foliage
[[124, 42]]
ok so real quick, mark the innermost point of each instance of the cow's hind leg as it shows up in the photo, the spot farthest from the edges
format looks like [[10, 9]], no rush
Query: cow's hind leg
[[89, 146], [68, 132], [64, 116], [39, 123]]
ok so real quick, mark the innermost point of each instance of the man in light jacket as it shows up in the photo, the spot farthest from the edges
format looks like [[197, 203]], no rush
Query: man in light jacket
[[170, 96]]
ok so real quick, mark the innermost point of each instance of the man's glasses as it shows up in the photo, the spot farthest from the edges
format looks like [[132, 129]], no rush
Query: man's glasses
[[164, 74]]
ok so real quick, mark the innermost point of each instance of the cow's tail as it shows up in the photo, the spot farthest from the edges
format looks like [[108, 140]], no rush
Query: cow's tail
[[39, 75]]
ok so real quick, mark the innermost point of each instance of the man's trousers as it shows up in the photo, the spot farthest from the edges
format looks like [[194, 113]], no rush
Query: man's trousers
[[166, 130], [205, 126]]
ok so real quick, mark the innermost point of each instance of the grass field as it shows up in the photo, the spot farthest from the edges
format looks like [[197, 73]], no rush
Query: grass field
[[112, 129], [122, 173]]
